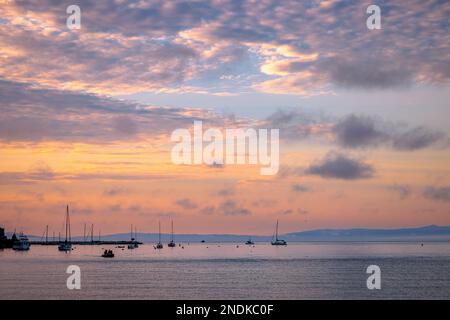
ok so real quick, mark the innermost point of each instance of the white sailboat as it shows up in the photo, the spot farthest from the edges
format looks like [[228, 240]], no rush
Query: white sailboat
[[66, 245], [276, 241], [159, 245], [171, 244]]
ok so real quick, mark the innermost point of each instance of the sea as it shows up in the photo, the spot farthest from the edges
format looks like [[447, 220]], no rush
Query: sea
[[314, 270]]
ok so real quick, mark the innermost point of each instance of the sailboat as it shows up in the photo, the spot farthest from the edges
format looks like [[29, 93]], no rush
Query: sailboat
[[171, 243], [136, 244], [159, 245], [249, 241], [133, 244], [276, 241], [66, 245]]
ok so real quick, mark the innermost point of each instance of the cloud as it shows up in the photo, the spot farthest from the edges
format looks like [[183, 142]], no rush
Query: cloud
[[209, 210], [359, 131], [40, 170], [417, 138], [289, 47], [437, 193], [368, 74], [362, 131], [339, 166], [297, 124], [186, 204], [114, 191], [403, 190], [231, 208], [32, 114], [226, 192], [300, 188]]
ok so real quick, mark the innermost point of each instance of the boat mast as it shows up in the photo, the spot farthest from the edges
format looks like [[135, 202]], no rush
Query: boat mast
[[46, 235], [159, 237], [276, 232], [172, 232], [67, 219]]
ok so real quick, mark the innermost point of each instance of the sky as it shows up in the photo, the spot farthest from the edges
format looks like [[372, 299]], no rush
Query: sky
[[87, 114]]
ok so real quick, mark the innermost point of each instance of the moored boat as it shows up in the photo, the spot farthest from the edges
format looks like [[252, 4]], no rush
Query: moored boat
[[276, 241], [67, 244], [22, 243]]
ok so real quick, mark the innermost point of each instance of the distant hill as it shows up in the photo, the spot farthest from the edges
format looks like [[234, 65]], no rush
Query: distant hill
[[431, 232], [426, 233]]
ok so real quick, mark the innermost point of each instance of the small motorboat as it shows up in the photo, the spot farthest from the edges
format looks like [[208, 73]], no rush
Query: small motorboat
[[249, 242], [108, 254]]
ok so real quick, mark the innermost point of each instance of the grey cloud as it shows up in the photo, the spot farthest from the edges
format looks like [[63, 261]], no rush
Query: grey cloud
[[31, 114], [403, 190], [225, 192], [368, 74], [300, 188], [186, 204], [125, 125], [417, 138], [114, 191], [209, 210], [360, 131], [231, 208], [297, 124], [339, 166], [437, 193]]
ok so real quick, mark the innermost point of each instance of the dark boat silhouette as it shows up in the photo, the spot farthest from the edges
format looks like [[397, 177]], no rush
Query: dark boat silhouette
[[276, 241], [159, 245], [171, 244], [108, 254]]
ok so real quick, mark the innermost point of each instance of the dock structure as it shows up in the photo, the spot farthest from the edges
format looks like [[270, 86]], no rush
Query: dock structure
[[83, 243]]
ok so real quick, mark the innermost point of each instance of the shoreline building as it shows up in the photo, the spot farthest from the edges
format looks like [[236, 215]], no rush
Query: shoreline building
[[4, 241]]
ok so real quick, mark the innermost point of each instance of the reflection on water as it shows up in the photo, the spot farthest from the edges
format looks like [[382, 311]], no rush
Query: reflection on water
[[230, 271]]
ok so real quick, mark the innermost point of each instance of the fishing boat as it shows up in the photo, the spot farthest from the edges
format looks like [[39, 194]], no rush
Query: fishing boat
[[275, 240], [249, 241], [159, 245], [21, 244], [66, 245], [171, 244]]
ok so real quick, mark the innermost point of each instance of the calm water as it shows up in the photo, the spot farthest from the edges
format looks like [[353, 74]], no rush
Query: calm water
[[224, 271]]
